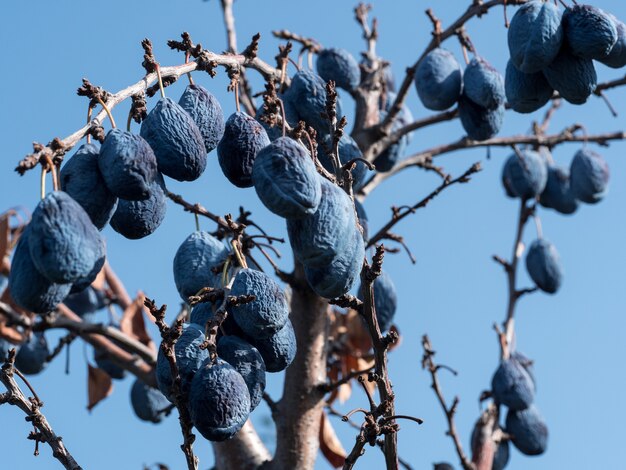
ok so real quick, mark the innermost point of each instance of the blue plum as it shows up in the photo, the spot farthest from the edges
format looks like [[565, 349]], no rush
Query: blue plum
[[438, 80], [340, 66], [483, 84], [176, 140], [544, 266], [557, 194], [528, 430], [104, 362], [81, 179], [319, 238], [307, 98], [138, 219], [348, 150], [189, 359], [385, 300], [243, 138], [268, 312], [526, 92], [194, 262], [572, 76], [206, 112], [31, 358], [219, 401], [339, 275], [617, 57], [286, 180], [148, 403], [535, 36], [203, 312], [127, 165], [589, 176], [247, 360], [63, 243], [480, 123], [525, 176], [589, 31], [85, 302], [29, 288], [512, 386], [278, 350]]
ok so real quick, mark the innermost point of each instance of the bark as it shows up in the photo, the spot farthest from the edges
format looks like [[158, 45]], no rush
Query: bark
[[299, 411], [245, 451]]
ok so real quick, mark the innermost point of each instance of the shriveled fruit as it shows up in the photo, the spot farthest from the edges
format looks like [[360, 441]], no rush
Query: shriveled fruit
[[82, 180], [176, 140], [219, 401], [286, 180], [127, 165], [194, 262], [243, 138], [268, 312]]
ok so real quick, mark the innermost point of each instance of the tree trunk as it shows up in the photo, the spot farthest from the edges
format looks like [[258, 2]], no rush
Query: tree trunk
[[245, 451], [299, 410]]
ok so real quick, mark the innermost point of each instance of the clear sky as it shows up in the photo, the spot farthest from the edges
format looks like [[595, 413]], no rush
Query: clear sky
[[454, 293]]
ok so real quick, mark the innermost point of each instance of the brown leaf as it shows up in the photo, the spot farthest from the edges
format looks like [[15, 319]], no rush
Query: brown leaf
[[99, 282], [7, 299], [5, 235], [11, 334], [99, 386], [344, 392], [330, 445], [132, 322], [358, 335]]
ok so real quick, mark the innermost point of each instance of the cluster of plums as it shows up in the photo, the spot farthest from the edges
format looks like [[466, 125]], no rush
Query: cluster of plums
[[256, 337], [530, 174], [551, 51]]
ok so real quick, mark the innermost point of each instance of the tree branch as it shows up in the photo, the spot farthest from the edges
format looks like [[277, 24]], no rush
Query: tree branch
[[32, 408], [429, 364], [464, 143], [59, 147], [231, 39], [401, 214]]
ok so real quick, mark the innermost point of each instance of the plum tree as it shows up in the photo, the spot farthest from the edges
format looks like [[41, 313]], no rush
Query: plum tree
[[243, 312]]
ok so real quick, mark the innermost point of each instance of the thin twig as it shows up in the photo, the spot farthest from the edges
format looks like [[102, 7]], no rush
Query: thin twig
[[399, 215], [429, 364], [32, 408]]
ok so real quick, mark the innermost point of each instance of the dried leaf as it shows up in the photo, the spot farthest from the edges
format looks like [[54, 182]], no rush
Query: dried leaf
[[11, 334], [330, 445], [132, 322], [99, 386], [5, 235], [344, 392], [358, 336], [363, 363], [7, 299], [99, 282]]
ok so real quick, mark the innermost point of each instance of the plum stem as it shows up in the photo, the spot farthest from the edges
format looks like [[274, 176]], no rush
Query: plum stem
[[108, 111], [160, 79]]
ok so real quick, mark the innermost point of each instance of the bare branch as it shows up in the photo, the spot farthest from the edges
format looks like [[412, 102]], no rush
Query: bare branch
[[401, 214], [206, 59], [464, 143], [32, 408], [429, 364]]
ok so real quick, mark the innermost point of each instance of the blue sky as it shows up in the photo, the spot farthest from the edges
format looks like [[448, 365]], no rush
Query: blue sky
[[454, 292]]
